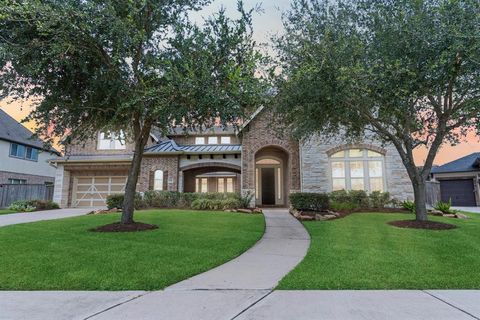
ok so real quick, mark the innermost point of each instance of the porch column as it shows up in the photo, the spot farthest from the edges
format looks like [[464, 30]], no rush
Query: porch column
[[180, 181]]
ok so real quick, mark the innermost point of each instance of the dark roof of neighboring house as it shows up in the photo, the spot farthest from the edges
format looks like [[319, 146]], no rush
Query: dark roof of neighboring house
[[466, 164], [95, 158], [170, 147], [13, 131]]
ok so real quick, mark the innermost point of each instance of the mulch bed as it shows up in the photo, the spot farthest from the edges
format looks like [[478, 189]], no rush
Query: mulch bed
[[414, 224], [121, 227]]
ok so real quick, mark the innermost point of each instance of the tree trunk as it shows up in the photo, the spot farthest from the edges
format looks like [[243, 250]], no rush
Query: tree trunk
[[419, 190], [131, 187]]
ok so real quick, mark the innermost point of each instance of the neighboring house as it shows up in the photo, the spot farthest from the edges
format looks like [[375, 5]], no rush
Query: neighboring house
[[257, 159], [460, 180], [23, 159]]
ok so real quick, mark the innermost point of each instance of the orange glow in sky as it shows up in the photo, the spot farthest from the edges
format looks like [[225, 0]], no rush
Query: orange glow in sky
[[446, 154]]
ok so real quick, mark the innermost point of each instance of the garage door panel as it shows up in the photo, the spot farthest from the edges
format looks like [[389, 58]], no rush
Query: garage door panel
[[93, 191], [460, 192]]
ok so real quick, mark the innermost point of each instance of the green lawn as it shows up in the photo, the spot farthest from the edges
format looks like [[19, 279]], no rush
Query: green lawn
[[63, 255], [362, 252], [6, 211]]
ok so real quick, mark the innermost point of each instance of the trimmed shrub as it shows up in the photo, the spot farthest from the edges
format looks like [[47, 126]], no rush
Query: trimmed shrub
[[33, 205], [215, 204], [379, 199], [116, 201], [409, 205], [343, 206], [309, 201]]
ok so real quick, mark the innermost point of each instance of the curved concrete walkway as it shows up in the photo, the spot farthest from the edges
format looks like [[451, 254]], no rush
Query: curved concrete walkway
[[24, 217]]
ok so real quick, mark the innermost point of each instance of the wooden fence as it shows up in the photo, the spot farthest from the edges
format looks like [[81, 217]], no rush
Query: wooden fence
[[13, 192], [433, 192]]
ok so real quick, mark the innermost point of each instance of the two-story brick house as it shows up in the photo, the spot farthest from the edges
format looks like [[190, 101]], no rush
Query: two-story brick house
[[255, 159]]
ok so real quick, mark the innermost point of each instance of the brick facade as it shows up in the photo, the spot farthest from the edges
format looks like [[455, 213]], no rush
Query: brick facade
[[169, 166], [261, 133], [30, 178]]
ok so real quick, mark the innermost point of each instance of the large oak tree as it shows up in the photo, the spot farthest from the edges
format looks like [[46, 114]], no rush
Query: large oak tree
[[127, 65], [407, 72]]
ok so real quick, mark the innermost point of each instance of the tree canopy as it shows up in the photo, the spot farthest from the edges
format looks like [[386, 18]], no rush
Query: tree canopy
[[127, 65], [407, 72]]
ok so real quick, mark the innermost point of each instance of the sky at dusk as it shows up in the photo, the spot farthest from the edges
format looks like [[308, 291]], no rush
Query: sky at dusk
[[265, 24]]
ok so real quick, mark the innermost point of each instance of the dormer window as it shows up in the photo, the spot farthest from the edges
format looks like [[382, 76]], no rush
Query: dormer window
[[199, 140], [212, 140], [111, 141], [23, 152], [225, 140]]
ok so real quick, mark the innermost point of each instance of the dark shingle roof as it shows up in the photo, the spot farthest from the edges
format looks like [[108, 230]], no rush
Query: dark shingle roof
[[11, 130], [170, 146], [466, 164]]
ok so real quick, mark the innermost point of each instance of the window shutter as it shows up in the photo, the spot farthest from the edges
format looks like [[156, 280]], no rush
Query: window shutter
[[151, 180], [165, 180]]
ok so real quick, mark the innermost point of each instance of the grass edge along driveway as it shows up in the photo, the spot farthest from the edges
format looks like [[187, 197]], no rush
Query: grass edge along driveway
[[361, 251], [63, 255]]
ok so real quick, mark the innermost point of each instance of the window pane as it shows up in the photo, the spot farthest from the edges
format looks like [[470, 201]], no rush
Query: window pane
[[375, 169], [199, 140], [158, 180], [376, 184], [28, 151], [34, 154], [21, 151], [268, 161], [339, 184], [197, 185], [340, 154], [355, 153], [212, 140], [229, 184], [204, 186], [371, 154], [356, 169], [257, 183], [279, 183], [338, 169], [225, 140], [221, 185], [357, 184], [13, 149]]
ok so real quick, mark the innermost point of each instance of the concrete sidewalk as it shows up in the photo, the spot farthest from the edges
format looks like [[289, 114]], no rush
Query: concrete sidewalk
[[24, 217]]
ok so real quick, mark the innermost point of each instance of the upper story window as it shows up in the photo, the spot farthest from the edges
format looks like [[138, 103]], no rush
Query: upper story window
[[199, 140], [212, 140], [17, 181], [225, 140], [357, 169], [111, 141], [23, 152]]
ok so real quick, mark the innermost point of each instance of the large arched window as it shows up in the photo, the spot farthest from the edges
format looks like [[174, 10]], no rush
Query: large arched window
[[357, 169], [158, 180]]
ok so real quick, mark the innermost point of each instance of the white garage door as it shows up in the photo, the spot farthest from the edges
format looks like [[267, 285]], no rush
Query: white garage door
[[93, 191]]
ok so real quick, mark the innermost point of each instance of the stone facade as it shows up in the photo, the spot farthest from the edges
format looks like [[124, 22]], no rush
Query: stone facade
[[315, 158]]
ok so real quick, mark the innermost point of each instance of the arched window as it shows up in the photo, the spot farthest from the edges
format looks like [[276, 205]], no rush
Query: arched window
[[357, 169], [158, 180]]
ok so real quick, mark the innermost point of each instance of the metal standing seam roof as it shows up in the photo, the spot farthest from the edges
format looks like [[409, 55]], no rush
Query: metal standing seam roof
[[171, 146], [466, 164]]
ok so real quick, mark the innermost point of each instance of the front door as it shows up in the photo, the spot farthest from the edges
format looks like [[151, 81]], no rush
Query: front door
[[268, 186]]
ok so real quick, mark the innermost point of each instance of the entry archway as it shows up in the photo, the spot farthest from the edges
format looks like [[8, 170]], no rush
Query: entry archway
[[271, 185]]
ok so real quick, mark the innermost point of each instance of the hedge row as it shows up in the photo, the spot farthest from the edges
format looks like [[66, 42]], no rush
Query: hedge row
[[172, 199], [33, 205], [340, 200]]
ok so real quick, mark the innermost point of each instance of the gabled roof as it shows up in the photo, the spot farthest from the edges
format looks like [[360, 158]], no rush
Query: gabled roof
[[170, 147], [11, 130], [466, 164]]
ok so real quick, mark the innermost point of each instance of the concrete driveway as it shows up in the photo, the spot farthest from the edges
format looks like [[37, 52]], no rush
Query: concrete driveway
[[24, 217], [468, 209]]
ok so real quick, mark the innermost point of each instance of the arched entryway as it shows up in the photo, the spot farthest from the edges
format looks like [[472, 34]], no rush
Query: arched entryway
[[211, 177], [271, 185]]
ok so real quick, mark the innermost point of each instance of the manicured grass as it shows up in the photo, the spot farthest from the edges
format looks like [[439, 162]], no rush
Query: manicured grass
[[64, 255], [6, 211], [362, 252]]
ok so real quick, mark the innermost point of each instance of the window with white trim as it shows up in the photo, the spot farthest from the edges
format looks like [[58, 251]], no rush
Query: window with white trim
[[158, 180], [357, 169], [23, 152], [111, 141], [213, 140], [225, 140], [199, 140], [17, 181]]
